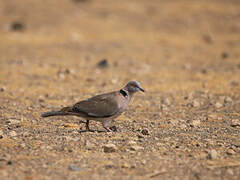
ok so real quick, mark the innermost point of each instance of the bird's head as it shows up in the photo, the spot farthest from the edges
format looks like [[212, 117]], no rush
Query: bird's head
[[133, 87]]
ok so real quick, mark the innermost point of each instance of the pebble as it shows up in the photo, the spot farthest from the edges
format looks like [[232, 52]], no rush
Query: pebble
[[103, 63], [26, 134], [196, 103], [89, 145], [218, 105], [132, 143], [12, 133], [224, 55], [235, 123], [227, 100], [203, 155], [17, 26], [195, 123], [13, 121], [234, 83], [109, 148], [230, 152], [213, 154], [72, 167], [2, 89], [126, 165], [136, 148], [1, 132], [167, 101], [164, 107], [41, 99], [145, 132], [183, 126], [230, 171]]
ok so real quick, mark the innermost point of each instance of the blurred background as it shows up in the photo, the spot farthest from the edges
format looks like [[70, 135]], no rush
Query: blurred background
[[56, 52], [163, 44]]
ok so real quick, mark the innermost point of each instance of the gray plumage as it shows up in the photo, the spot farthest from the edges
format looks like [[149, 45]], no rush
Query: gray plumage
[[103, 107]]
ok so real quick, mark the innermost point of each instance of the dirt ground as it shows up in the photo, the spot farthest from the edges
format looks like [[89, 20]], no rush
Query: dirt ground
[[186, 54]]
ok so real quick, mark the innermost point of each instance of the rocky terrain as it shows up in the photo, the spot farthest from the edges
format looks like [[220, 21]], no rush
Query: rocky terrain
[[186, 54]]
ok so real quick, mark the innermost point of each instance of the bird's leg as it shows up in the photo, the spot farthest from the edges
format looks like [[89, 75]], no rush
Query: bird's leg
[[87, 126], [107, 124], [108, 129]]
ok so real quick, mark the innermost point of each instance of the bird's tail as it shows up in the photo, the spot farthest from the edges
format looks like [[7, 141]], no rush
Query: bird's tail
[[63, 112]]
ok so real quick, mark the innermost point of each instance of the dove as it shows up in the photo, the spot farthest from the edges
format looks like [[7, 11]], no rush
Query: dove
[[103, 108]]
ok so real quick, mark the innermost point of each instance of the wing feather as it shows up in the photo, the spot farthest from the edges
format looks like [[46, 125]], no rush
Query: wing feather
[[100, 106]]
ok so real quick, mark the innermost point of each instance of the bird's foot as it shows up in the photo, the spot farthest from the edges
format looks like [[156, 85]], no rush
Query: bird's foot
[[113, 128], [108, 129]]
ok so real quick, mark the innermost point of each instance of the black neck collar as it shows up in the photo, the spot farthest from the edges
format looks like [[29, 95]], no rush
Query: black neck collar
[[124, 93]]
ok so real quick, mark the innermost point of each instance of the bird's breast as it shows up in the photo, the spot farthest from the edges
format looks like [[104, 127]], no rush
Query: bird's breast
[[123, 103]]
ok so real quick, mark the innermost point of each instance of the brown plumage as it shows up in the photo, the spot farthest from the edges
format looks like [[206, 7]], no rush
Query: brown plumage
[[103, 107]]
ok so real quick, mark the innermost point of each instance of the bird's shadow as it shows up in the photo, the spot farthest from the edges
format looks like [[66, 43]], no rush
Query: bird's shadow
[[113, 128], [91, 130]]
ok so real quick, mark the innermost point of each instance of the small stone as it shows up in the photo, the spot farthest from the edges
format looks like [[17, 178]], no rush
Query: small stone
[[195, 123], [230, 171], [224, 55], [132, 143], [230, 152], [13, 121], [235, 123], [61, 76], [218, 105], [2, 89], [12, 133], [89, 145], [183, 126], [164, 107], [237, 144], [204, 71], [196, 103], [208, 39], [103, 63], [143, 161], [213, 154], [23, 145], [140, 136], [72, 167], [126, 165], [227, 100], [234, 83], [109, 166], [145, 132], [41, 99], [26, 134], [1, 132], [109, 148], [203, 155], [238, 66], [17, 26], [136, 148], [167, 101]]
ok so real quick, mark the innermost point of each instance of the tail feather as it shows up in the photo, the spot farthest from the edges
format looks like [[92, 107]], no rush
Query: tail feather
[[64, 111]]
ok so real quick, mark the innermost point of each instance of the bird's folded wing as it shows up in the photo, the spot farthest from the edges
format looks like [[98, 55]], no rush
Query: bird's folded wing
[[98, 106]]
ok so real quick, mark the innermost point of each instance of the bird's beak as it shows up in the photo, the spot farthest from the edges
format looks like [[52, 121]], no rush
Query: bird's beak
[[141, 89]]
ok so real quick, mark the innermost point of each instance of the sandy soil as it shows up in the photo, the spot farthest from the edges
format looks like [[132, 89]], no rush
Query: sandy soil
[[186, 54]]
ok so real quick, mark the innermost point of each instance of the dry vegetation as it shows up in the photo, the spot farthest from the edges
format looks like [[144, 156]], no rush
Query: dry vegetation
[[186, 54]]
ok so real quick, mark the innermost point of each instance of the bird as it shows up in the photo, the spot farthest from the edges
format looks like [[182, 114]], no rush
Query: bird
[[103, 108]]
